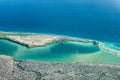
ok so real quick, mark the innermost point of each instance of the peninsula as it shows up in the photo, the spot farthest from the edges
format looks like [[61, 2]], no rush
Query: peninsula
[[31, 40], [36, 40]]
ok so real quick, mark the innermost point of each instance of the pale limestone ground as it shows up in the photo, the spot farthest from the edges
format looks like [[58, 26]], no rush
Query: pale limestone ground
[[39, 39], [31, 70], [35, 40]]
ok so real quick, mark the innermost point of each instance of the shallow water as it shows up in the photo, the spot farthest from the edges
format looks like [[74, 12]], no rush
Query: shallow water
[[56, 52]]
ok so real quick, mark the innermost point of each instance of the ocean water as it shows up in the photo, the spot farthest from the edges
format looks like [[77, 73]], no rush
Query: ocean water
[[94, 19], [68, 52]]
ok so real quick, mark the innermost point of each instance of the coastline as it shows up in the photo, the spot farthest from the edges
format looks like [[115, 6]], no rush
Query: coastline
[[31, 40], [32, 70]]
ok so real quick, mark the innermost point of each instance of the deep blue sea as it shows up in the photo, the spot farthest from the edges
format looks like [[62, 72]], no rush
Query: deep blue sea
[[94, 19]]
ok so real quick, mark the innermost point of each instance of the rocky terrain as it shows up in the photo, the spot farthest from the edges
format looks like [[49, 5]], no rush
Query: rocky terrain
[[31, 70]]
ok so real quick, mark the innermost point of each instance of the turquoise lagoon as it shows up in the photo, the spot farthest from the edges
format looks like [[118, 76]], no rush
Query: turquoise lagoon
[[57, 52]]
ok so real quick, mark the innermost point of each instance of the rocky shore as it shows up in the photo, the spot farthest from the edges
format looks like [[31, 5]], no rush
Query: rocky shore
[[31, 70]]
